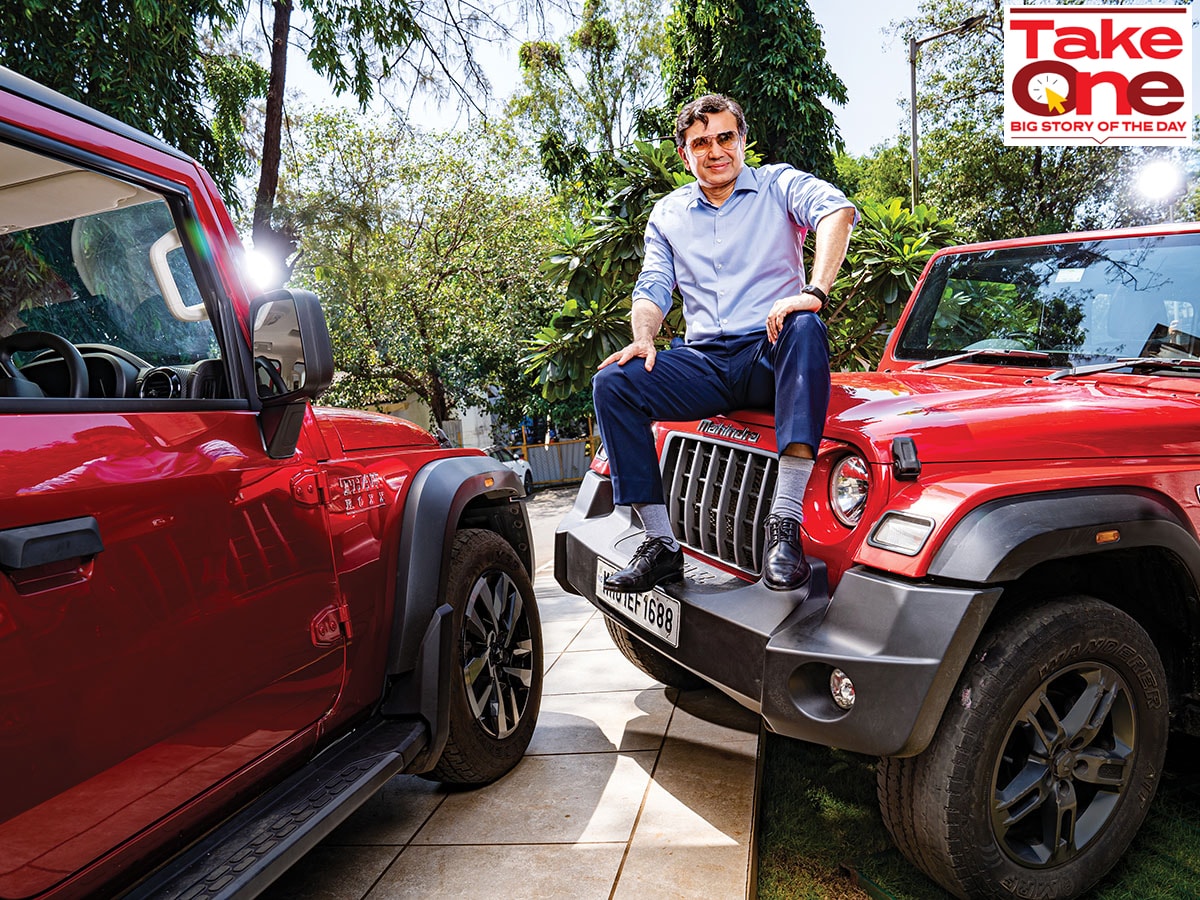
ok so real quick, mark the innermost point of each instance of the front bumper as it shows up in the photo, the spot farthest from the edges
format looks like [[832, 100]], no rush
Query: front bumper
[[902, 643]]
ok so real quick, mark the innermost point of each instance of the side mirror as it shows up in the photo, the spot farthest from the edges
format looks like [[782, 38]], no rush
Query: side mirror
[[293, 362]]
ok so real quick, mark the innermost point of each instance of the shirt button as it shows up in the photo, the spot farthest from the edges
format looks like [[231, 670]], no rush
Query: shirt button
[[718, 240], [724, 321], [718, 265]]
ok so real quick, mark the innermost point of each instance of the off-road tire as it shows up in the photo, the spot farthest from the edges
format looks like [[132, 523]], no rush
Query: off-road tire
[[651, 661], [497, 656], [1088, 678]]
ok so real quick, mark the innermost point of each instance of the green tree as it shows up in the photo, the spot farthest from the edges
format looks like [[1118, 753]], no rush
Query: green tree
[[888, 251], [583, 98], [597, 264], [879, 175], [768, 55], [357, 45], [145, 62], [427, 261]]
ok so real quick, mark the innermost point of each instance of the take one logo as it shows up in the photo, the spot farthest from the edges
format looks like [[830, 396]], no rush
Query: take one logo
[[1097, 75]]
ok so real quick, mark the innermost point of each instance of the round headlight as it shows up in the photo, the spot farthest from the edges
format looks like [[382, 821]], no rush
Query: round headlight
[[848, 488]]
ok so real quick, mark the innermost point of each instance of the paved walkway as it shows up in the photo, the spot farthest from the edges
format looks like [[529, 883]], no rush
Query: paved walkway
[[629, 790]]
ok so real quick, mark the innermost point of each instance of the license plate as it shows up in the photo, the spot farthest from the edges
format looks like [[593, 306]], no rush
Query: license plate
[[653, 611]]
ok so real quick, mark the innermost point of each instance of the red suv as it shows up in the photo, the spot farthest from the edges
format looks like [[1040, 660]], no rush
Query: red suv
[[1004, 517], [226, 616]]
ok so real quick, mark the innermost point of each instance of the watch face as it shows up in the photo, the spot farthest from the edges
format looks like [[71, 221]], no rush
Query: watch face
[[1051, 89]]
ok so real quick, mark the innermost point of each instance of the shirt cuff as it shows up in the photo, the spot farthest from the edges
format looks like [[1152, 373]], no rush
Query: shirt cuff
[[657, 294]]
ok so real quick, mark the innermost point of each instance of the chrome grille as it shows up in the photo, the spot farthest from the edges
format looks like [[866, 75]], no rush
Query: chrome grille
[[717, 497]]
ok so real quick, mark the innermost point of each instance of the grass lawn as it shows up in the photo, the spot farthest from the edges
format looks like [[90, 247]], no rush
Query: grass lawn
[[821, 838]]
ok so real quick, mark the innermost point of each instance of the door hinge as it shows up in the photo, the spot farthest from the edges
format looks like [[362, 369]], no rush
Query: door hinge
[[343, 614], [310, 488], [331, 626]]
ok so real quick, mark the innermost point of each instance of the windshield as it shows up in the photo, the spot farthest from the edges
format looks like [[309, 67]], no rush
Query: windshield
[[1077, 302]]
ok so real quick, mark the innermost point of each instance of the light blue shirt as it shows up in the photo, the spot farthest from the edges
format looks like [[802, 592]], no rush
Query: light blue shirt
[[731, 263]]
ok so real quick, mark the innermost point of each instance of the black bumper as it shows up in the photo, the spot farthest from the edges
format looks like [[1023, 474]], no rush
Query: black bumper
[[902, 643]]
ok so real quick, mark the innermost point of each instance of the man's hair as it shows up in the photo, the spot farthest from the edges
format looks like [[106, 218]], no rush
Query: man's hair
[[699, 109]]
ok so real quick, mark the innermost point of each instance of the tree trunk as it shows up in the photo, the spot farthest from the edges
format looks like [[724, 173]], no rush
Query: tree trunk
[[438, 403], [268, 239]]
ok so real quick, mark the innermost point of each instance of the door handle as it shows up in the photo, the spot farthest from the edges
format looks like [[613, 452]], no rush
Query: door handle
[[37, 545]]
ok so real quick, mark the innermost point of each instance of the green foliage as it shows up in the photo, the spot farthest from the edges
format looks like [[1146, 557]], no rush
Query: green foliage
[[233, 81], [768, 55], [140, 61], [426, 261], [586, 97], [888, 250], [882, 174], [598, 264]]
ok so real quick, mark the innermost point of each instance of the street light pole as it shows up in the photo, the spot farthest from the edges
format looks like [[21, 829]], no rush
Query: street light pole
[[914, 44]]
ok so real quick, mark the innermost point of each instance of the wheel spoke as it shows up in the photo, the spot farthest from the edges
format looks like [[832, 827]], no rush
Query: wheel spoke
[[479, 608], [516, 613], [501, 711], [1060, 820], [473, 669], [498, 594], [1021, 796], [1101, 768], [1087, 714], [524, 674], [1048, 739], [480, 701]]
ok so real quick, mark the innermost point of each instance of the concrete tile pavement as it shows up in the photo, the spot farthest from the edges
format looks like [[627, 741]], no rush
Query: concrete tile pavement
[[629, 789]]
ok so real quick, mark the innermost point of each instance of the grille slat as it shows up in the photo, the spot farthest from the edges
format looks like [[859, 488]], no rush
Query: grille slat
[[717, 497], [727, 526]]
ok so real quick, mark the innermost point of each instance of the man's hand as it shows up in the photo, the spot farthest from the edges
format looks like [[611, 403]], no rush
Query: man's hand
[[644, 349], [646, 319], [784, 307]]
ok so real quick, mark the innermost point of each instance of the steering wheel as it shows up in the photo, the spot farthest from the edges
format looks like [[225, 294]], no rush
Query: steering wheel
[[17, 385], [262, 364]]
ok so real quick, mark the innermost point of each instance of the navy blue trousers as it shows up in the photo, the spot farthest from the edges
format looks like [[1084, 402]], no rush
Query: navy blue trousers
[[697, 380]]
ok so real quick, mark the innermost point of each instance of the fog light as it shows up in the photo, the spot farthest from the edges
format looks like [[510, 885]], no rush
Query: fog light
[[842, 689]]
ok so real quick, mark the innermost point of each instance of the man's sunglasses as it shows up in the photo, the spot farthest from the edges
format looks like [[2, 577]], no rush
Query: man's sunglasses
[[703, 144]]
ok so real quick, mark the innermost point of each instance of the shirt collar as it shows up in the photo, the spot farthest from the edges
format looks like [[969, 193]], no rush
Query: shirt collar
[[747, 180]]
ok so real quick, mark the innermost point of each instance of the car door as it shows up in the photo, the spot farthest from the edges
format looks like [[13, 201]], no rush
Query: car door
[[167, 598]]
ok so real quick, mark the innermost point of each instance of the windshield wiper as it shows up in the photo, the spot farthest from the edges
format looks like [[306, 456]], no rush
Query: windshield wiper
[[1033, 355], [1132, 362]]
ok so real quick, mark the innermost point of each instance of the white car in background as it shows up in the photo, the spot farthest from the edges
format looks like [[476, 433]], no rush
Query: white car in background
[[516, 462]]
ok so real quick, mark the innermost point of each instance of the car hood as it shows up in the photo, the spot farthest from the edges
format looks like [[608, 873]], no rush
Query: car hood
[[953, 418], [356, 430]]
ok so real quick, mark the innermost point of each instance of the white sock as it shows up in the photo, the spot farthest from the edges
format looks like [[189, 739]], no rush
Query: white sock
[[656, 522], [794, 472]]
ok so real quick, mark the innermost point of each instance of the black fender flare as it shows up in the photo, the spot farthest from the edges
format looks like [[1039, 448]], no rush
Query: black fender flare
[[1002, 539], [419, 665], [439, 493]]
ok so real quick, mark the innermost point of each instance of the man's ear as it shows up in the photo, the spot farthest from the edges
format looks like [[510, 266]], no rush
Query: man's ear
[[683, 155]]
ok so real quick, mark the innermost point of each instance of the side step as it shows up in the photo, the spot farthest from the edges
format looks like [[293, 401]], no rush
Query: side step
[[246, 853]]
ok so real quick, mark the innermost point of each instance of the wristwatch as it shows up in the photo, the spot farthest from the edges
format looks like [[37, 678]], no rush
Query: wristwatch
[[815, 291]]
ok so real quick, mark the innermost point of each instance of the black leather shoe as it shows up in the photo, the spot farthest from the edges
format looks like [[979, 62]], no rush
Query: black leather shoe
[[653, 563], [784, 565]]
